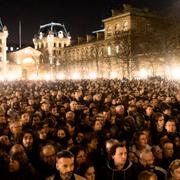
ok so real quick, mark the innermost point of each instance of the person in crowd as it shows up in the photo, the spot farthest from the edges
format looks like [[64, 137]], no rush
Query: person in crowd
[[28, 142], [65, 167], [79, 153], [15, 131], [158, 155], [47, 164], [141, 113], [168, 153], [87, 170], [174, 170], [20, 168], [147, 175], [140, 143], [119, 167], [146, 162]]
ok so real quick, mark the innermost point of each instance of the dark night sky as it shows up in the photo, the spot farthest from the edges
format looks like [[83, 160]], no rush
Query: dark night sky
[[80, 17]]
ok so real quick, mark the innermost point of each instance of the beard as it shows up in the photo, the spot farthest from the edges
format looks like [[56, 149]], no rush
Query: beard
[[68, 175]]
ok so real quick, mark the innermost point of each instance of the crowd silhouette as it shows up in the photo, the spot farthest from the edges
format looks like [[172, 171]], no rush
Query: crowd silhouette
[[115, 129]]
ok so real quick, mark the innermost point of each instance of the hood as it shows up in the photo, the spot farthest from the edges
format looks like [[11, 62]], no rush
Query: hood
[[111, 166]]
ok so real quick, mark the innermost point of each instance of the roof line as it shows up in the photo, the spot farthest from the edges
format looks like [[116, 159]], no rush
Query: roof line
[[51, 24]]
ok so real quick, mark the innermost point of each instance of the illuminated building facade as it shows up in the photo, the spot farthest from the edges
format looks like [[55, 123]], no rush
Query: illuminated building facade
[[133, 43], [3, 41]]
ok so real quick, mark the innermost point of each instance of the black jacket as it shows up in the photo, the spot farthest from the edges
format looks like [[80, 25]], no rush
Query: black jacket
[[111, 173]]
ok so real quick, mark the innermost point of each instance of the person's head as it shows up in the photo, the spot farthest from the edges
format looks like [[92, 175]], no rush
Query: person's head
[[87, 170], [174, 170], [147, 175], [146, 158], [91, 141], [61, 133], [119, 155], [170, 126], [132, 109], [166, 109], [140, 140], [17, 148], [17, 161], [80, 137], [27, 139], [73, 105], [25, 118], [120, 109], [70, 127], [15, 127], [48, 154], [36, 119], [79, 154], [159, 119], [133, 157], [70, 115], [97, 125], [168, 149], [149, 110], [45, 105], [157, 152], [65, 164], [41, 133], [4, 140]]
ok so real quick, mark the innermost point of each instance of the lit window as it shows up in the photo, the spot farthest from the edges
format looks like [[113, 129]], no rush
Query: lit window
[[117, 28], [117, 49], [28, 61], [109, 31], [109, 50]]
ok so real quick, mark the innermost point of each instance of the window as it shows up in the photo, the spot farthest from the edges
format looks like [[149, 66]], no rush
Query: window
[[109, 31], [117, 49], [117, 28], [125, 26], [109, 50]]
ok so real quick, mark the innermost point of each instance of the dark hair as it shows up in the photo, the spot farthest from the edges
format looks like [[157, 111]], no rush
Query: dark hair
[[115, 146], [84, 167], [64, 154], [76, 149], [146, 175]]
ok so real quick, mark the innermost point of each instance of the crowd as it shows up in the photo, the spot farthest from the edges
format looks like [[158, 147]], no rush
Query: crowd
[[90, 129]]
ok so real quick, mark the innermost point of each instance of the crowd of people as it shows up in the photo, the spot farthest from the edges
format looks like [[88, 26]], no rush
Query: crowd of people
[[90, 129]]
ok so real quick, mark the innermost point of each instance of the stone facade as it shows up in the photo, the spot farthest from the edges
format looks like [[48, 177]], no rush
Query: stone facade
[[3, 42], [132, 39], [133, 43]]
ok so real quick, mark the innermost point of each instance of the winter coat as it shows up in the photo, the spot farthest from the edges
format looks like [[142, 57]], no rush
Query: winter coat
[[111, 173]]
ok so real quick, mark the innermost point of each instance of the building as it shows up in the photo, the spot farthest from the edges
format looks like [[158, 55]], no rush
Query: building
[[3, 41], [134, 43], [25, 64]]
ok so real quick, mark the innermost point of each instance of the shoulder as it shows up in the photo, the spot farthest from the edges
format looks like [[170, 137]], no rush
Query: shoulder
[[78, 177], [50, 177]]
